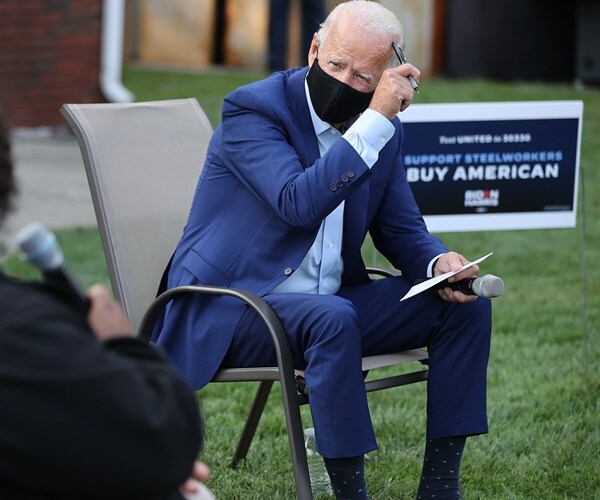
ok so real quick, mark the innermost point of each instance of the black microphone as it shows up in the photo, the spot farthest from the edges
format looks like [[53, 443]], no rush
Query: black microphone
[[39, 247], [487, 286]]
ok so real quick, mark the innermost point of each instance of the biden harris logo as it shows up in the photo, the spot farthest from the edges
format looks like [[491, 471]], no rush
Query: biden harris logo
[[482, 199]]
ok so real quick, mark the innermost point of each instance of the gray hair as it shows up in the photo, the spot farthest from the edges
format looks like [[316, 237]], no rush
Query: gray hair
[[370, 16]]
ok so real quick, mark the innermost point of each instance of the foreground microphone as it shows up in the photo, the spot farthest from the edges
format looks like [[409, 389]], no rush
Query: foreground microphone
[[487, 286], [39, 247]]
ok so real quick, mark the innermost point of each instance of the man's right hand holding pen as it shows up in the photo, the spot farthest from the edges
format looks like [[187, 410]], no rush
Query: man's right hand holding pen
[[396, 88]]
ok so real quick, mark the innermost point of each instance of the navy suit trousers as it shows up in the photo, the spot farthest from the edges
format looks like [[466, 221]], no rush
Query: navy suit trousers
[[329, 334]]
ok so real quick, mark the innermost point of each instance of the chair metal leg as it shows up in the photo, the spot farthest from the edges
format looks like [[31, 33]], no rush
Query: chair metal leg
[[295, 435], [293, 420], [300, 466], [258, 405]]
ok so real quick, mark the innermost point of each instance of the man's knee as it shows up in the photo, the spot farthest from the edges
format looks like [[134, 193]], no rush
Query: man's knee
[[333, 321], [478, 311], [334, 317]]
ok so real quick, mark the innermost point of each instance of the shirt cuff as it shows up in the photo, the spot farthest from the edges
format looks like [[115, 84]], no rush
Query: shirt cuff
[[369, 134], [431, 264]]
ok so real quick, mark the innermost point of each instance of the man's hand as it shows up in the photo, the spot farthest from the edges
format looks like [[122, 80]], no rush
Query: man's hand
[[453, 261], [394, 92], [106, 318], [193, 489]]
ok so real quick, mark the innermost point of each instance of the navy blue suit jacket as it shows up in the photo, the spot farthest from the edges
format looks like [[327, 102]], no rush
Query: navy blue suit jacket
[[260, 200]]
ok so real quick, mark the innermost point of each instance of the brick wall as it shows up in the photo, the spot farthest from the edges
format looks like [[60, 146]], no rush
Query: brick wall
[[49, 55]]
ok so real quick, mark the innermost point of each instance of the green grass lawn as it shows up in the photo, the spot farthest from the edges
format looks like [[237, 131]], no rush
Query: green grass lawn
[[544, 370]]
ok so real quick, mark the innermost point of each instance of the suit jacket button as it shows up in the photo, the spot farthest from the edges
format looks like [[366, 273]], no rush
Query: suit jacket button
[[344, 178], [332, 187], [287, 271], [350, 173], [340, 184]]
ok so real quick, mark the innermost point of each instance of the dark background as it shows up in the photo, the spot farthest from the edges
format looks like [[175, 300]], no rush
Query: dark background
[[522, 40]]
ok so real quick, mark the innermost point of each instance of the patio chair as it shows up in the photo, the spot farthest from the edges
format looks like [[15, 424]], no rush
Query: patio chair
[[142, 162]]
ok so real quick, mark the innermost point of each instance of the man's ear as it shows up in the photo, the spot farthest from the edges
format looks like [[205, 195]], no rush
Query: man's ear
[[314, 49]]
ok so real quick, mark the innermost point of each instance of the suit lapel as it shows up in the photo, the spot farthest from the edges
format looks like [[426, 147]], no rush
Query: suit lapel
[[296, 98]]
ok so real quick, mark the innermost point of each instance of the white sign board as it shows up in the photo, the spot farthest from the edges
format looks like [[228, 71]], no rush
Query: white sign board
[[494, 166]]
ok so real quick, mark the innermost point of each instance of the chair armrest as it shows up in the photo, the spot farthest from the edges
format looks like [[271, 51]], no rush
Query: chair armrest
[[380, 271], [265, 312]]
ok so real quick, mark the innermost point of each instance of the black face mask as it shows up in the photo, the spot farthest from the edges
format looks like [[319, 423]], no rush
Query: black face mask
[[334, 101]]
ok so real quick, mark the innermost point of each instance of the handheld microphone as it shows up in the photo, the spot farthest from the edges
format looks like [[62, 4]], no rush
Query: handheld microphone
[[39, 247], [487, 286]]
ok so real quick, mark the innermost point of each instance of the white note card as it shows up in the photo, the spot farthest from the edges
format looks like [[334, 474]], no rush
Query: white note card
[[421, 287]]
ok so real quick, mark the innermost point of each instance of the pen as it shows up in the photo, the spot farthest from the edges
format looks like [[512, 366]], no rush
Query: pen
[[402, 59]]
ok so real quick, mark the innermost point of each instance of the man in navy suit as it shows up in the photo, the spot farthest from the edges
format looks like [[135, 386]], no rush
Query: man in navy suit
[[303, 165]]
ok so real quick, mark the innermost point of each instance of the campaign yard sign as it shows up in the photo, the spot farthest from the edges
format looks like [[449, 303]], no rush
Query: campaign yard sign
[[494, 166]]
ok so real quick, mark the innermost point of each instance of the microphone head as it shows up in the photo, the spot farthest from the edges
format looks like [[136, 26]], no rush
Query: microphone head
[[488, 286], [39, 247]]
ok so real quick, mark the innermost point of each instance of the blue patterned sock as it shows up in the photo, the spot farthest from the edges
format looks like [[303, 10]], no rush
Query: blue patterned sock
[[441, 469], [347, 477]]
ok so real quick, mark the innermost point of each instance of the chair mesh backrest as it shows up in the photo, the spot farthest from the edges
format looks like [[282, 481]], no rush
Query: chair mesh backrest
[[142, 162]]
